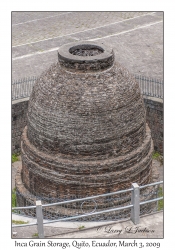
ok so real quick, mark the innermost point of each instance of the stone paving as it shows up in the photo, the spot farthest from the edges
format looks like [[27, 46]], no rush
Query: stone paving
[[136, 37], [119, 230], [60, 24]]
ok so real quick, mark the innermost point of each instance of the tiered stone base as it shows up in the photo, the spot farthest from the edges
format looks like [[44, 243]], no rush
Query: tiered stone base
[[54, 176], [25, 198]]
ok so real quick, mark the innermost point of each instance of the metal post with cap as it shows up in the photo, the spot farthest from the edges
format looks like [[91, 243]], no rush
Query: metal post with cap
[[135, 201], [39, 215]]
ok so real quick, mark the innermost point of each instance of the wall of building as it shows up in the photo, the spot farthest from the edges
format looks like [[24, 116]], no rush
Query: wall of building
[[154, 117]]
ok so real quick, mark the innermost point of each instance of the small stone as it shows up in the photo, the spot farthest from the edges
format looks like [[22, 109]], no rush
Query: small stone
[[14, 234]]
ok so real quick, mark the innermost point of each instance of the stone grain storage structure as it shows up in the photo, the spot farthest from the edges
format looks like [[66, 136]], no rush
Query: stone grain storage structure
[[86, 132]]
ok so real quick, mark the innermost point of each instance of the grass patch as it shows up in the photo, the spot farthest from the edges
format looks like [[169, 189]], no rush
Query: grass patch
[[14, 198], [160, 203], [15, 158], [17, 222], [35, 235], [157, 156], [81, 227]]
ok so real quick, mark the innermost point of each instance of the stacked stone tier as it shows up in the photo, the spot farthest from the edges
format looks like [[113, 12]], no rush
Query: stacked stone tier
[[49, 175]]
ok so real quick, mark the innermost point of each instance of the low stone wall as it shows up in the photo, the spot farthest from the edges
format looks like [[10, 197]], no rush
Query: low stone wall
[[19, 121], [154, 118]]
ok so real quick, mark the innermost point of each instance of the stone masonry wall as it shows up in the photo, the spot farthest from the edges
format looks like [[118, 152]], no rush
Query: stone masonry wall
[[71, 177], [86, 114], [154, 118], [19, 121]]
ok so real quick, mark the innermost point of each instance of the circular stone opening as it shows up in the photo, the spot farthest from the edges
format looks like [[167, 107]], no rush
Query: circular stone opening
[[86, 50], [85, 56]]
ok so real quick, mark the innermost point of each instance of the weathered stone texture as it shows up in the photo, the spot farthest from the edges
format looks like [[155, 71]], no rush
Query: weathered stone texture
[[54, 174], [19, 121], [86, 130], [87, 114], [157, 134], [75, 57], [154, 110]]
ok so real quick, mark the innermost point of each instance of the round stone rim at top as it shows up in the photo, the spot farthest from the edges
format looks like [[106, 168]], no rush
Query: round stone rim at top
[[65, 54]]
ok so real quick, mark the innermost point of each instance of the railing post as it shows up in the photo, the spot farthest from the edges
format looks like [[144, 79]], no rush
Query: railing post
[[135, 201], [39, 215]]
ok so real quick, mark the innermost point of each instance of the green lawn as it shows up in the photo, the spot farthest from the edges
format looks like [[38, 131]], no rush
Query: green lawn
[[18, 222], [160, 203], [14, 158], [14, 197]]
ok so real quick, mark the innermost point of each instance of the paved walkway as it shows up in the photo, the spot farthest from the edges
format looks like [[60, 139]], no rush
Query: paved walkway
[[136, 37], [150, 226]]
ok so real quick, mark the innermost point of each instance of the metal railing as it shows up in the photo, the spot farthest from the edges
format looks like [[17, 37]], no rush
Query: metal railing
[[135, 206], [149, 86], [23, 88]]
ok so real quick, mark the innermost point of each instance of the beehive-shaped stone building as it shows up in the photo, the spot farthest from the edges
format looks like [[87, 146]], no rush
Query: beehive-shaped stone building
[[86, 131]]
